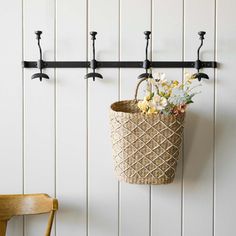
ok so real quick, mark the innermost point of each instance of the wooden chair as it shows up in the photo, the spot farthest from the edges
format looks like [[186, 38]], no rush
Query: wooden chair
[[26, 204]]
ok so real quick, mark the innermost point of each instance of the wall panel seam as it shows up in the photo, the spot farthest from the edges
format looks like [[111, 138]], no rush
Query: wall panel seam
[[87, 125], [119, 97], [55, 109], [23, 109], [214, 120], [151, 52], [182, 174]]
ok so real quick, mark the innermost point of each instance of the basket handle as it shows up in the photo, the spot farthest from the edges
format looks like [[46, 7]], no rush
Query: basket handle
[[137, 88]]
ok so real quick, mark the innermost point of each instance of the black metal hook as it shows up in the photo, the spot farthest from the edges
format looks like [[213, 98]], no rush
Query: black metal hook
[[93, 63], [198, 63], [40, 63], [146, 62]]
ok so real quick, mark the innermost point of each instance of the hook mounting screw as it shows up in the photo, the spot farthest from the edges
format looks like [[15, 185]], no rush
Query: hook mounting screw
[[147, 34], [93, 34], [38, 34], [201, 34]]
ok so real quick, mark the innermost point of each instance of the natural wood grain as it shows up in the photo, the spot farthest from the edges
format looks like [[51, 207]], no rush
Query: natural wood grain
[[3, 227], [28, 204]]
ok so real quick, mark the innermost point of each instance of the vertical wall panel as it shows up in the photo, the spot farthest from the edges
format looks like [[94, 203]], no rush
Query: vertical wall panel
[[225, 140], [199, 129], [11, 104], [167, 45], [39, 109], [71, 119], [102, 184], [134, 199]]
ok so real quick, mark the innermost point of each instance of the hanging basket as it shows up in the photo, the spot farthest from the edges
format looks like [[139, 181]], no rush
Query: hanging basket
[[145, 147]]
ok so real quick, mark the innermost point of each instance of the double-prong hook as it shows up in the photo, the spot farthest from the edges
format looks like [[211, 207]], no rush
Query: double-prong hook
[[40, 62], [93, 63], [146, 62], [198, 64]]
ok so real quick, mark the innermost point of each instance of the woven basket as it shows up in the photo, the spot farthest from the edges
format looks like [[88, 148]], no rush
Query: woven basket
[[145, 147]]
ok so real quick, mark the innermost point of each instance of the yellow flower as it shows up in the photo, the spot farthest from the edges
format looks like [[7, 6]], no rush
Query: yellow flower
[[143, 106], [149, 96], [189, 77], [167, 87], [164, 85], [152, 110], [167, 95], [162, 94], [175, 83]]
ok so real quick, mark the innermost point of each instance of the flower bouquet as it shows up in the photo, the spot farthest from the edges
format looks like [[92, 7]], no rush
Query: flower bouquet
[[147, 134], [167, 97]]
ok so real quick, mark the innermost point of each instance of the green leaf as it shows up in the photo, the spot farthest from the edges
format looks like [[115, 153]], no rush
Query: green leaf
[[189, 101]]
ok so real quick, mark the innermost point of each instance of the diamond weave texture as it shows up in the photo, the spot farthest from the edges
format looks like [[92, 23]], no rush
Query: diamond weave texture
[[145, 147]]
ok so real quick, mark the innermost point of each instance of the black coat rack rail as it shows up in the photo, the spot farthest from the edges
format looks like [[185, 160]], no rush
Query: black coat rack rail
[[94, 64]]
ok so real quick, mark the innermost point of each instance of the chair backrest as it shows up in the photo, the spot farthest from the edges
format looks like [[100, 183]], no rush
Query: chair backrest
[[26, 204]]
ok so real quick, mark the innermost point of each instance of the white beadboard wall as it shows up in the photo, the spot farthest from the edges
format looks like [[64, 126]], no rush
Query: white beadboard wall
[[55, 134]]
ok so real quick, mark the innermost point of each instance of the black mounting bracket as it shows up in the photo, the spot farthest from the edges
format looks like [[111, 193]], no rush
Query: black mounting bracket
[[94, 64], [120, 64]]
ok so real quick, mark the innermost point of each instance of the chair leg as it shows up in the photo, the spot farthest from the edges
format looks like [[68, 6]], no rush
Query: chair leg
[[3, 227], [50, 222]]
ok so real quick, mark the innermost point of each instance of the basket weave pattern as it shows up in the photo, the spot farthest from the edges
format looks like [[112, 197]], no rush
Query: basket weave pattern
[[145, 147]]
